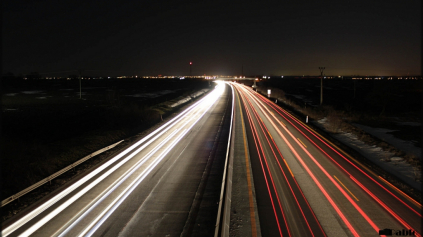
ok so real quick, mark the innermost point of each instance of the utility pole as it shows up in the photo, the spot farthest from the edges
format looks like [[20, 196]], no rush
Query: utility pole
[[190, 69], [321, 84]]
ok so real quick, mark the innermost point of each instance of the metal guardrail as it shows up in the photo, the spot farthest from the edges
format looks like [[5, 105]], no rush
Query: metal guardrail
[[51, 177], [226, 190]]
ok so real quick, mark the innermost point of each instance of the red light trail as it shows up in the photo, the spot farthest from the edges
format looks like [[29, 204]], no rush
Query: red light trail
[[249, 96]]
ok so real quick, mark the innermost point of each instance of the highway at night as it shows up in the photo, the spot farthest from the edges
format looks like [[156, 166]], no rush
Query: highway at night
[[306, 187], [211, 118], [167, 183], [282, 177]]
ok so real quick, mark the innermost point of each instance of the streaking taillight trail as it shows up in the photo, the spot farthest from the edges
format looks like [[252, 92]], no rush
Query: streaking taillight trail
[[268, 139], [389, 210], [337, 152], [333, 204], [279, 110], [260, 153]]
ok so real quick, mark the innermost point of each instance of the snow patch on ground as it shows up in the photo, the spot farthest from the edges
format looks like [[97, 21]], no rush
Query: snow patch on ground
[[181, 99], [196, 94], [10, 94], [386, 160], [93, 88], [382, 133], [32, 92]]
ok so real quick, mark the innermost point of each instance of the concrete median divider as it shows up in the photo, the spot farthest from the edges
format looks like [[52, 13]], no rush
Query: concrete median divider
[[223, 213]]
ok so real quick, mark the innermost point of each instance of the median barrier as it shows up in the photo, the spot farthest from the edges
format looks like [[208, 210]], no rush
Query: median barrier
[[223, 213]]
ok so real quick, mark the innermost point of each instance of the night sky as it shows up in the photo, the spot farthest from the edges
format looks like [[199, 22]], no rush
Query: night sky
[[360, 37]]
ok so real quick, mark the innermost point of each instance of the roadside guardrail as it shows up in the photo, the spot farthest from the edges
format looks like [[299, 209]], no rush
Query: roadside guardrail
[[51, 177]]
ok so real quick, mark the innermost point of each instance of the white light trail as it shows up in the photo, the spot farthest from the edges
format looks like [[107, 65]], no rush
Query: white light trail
[[115, 204], [121, 179], [207, 101]]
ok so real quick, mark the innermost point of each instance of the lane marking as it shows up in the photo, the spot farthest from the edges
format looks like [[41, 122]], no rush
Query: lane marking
[[288, 168], [353, 161], [403, 222], [171, 123], [349, 225], [327, 141], [269, 134], [401, 192], [350, 159], [250, 192], [263, 161], [346, 188], [364, 188], [301, 142], [313, 131]]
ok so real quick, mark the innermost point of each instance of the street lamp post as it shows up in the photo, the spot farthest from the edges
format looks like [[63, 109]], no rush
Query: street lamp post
[[321, 84]]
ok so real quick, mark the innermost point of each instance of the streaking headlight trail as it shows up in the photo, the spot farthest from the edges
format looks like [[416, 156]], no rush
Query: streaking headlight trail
[[160, 142]]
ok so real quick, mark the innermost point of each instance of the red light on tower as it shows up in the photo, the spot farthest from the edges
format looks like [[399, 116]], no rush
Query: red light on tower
[[190, 63]]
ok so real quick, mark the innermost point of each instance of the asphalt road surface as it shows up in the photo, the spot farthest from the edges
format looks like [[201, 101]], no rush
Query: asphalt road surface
[[166, 184], [305, 186]]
